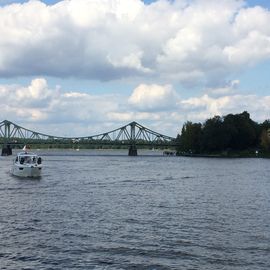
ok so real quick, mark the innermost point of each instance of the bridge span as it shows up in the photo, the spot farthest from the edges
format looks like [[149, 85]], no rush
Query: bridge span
[[132, 136]]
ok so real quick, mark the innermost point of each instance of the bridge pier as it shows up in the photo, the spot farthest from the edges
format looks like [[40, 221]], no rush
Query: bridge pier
[[132, 151], [6, 150]]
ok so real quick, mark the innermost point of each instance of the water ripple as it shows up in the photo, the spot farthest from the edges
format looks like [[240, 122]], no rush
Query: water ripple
[[115, 212]]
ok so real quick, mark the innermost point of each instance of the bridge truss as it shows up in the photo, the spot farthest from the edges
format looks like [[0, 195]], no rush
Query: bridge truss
[[133, 135]]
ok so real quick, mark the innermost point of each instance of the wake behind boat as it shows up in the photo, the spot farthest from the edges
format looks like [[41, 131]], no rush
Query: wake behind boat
[[27, 164]]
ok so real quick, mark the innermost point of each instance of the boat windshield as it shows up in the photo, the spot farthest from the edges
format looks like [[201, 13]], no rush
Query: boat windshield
[[27, 159]]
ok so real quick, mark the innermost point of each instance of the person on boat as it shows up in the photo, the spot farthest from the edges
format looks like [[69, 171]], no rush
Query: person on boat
[[26, 148], [27, 160]]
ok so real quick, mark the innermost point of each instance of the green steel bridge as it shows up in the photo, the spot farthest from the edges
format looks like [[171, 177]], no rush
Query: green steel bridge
[[131, 136]]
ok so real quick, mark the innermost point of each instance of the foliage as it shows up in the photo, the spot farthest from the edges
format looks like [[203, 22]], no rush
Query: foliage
[[230, 133], [190, 139], [265, 140]]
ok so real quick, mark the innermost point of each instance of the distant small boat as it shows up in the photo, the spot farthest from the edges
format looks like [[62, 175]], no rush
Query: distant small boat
[[169, 153], [27, 164]]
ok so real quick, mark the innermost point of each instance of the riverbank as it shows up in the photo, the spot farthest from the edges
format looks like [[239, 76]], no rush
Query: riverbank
[[243, 154]]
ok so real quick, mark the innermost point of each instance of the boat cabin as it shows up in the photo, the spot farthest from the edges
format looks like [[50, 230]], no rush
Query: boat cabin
[[28, 158]]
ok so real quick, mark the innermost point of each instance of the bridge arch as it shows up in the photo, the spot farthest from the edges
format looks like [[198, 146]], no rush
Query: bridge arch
[[132, 135]]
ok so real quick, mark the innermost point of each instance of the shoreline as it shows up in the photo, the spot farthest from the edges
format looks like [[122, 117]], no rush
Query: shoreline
[[239, 155]]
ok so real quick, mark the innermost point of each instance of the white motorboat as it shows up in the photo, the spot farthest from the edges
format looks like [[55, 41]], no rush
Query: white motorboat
[[27, 164]]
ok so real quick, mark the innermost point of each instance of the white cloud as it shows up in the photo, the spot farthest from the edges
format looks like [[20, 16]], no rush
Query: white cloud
[[132, 61], [73, 113], [192, 42], [213, 106], [228, 89], [153, 98], [250, 50], [201, 108], [51, 111], [36, 94], [201, 43], [130, 116], [251, 19]]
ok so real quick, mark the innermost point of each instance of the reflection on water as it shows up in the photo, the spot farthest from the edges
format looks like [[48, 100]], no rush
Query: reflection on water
[[105, 210]]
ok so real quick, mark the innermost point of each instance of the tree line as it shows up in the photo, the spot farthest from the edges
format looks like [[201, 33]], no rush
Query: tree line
[[227, 134]]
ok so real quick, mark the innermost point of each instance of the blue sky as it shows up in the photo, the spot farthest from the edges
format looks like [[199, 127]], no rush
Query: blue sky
[[264, 3], [84, 67]]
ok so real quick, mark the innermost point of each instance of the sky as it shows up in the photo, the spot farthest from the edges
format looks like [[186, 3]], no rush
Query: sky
[[84, 67]]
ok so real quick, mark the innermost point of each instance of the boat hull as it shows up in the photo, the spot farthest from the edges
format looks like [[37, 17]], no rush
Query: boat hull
[[26, 171]]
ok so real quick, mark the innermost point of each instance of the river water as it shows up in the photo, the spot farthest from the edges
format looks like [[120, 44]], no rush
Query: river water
[[105, 210]]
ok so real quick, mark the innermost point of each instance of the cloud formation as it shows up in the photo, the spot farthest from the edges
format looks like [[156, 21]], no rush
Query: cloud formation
[[153, 98], [57, 111], [192, 42]]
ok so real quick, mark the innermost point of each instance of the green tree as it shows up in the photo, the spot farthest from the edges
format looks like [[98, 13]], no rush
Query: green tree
[[214, 137], [241, 131], [190, 138], [265, 139], [232, 132]]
